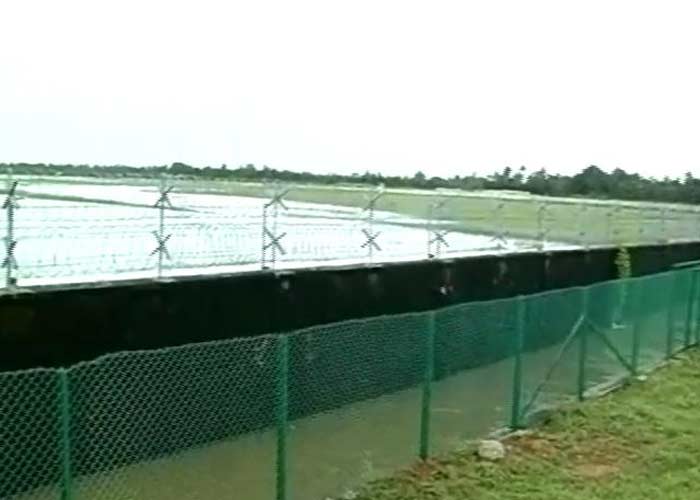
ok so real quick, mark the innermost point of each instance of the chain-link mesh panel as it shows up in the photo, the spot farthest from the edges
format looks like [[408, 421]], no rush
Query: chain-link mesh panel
[[473, 371], [185, 423], [355, 395], [30, 435], [681, 302], [651, 317], [357, 399], [551, 349], [610, 333]]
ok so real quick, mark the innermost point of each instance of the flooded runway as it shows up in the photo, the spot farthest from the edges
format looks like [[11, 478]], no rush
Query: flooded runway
[[61, 239]]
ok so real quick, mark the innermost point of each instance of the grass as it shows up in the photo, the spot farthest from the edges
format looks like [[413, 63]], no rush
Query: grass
[[642, 442], [591, 221]]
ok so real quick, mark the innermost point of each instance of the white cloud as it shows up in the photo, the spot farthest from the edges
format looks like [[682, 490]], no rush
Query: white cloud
[[395, 86]]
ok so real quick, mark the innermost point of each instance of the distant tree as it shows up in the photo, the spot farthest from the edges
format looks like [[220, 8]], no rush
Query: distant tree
[[592, 181], [538, 182], [178, 168], [518, 178]]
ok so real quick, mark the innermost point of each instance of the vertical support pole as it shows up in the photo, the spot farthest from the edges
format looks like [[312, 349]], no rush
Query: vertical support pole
[[428, 377], [501, 237], [275, 215], [162, 238], [270, 237], [10, 238], [637, 327], [10, 205], [670, 318], [263, 239], [696, 323], [64, 403], [690, 306], [583, 345], [371, 236], [541, 225], [436, 236], [282, 414], [516, 398], [161, 227], [429, 230]]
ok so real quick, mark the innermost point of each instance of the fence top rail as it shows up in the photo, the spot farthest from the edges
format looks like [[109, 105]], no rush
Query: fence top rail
[[686, 264]]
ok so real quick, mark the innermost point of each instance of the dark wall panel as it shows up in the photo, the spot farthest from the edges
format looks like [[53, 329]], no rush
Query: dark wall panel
[[55, 326]]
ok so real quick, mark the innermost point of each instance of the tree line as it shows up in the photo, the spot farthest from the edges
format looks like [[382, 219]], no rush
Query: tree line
[[590, 182]]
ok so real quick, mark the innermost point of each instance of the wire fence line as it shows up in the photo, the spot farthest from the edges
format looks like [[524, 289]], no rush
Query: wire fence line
[[314, 413], [62, 233]]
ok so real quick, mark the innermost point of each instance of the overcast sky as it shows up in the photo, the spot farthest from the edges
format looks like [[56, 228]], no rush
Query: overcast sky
[[329, 86]]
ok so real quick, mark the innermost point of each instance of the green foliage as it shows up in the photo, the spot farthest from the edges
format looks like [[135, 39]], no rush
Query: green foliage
[[591, 182], [623, 263]]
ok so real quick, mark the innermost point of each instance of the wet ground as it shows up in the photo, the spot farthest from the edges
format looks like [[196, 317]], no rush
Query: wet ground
[[62, 239]]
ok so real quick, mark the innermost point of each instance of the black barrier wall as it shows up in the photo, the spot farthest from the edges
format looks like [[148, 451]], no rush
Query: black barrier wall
[[58, 326]]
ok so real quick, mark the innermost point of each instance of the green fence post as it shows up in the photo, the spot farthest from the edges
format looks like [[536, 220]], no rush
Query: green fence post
[[64, 402], [428, 377], [670, 319], [516, 398], [696, 326], [690, 307], [282, 414], [583, 346], [637, 315]]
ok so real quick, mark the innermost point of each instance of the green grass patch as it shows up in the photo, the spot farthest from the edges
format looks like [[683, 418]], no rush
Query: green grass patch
[[642, 442], [567, 220]]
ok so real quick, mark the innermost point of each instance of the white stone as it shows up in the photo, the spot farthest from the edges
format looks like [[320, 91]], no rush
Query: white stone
[[490, 449]]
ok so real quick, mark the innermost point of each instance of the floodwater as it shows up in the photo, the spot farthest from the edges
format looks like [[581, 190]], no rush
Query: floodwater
[[333, 453], [61, 241]]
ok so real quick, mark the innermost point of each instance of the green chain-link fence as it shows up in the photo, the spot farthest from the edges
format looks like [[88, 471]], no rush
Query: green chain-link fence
[[317, 412]]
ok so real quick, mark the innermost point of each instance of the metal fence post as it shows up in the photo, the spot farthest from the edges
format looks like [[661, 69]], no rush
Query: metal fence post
[[516, 399], [637, 327], [670, 317], [542, 231], [696, 325], [690, 306], [282, 414], [65, 439], [583, 346], [428, 377], [370, 243], [161, 238], [271, 238], [501, 237], [10, 205], [436, 236]]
